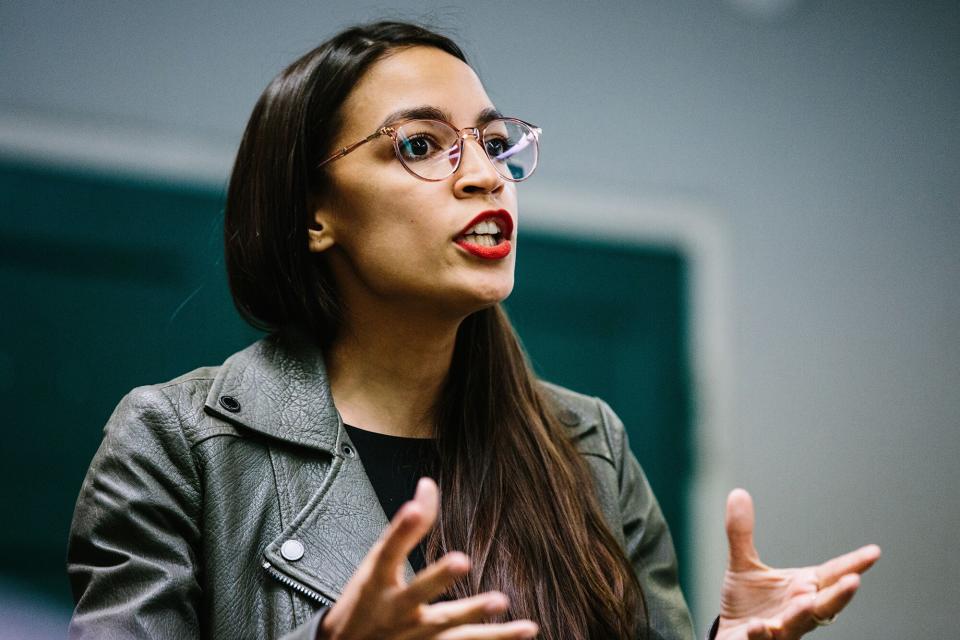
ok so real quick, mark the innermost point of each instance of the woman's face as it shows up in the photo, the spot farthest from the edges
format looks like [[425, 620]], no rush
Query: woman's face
[[392, 238]]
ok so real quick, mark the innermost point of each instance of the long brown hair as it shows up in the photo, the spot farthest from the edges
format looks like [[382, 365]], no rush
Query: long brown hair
[[511, 481]]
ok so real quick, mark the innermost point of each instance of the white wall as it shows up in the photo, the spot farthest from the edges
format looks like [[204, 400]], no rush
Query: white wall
[[821, 140]]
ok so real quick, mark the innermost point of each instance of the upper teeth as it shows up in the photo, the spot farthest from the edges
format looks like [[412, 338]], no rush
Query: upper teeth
[[485, 227]]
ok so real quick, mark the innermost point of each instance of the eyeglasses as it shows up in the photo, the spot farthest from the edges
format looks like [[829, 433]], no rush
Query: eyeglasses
[[432, 149]]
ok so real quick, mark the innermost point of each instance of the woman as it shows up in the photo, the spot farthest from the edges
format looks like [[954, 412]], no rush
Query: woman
[[370, 227]]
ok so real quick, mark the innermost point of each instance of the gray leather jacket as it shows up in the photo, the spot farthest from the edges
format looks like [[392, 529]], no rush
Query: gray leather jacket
[[184, 523]]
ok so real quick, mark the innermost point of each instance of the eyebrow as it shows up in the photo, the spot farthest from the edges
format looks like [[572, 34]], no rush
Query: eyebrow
[[434, 113]]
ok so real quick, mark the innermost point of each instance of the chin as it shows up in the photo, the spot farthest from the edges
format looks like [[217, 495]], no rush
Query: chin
[[478, 298], [494, 292]]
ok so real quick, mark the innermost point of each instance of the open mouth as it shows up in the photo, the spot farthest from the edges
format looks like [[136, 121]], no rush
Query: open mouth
[[487, 235]]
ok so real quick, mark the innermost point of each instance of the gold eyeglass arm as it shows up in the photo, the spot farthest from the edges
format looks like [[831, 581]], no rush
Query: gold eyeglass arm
[[382, 131]]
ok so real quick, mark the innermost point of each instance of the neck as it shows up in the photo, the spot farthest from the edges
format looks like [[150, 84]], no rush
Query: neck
[[387, 367]]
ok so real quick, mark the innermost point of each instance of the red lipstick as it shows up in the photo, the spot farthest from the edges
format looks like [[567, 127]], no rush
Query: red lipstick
[[501, 218]]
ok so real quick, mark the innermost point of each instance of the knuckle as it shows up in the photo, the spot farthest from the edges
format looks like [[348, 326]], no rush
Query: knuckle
[[410, 598], [442, 620]]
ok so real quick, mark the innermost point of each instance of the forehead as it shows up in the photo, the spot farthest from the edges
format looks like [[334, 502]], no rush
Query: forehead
[[414, 77]]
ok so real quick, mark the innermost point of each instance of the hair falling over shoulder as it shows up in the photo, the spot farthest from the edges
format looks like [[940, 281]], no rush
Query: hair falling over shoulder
[[512, 496], [512, 482]]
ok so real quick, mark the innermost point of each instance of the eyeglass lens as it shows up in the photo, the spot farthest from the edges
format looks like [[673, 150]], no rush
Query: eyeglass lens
[[431, 149]]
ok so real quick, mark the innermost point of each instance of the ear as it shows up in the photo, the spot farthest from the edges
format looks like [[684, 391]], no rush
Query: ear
[[320, 235]]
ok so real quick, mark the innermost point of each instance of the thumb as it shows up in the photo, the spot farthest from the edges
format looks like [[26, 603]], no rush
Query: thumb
[[739, 524]]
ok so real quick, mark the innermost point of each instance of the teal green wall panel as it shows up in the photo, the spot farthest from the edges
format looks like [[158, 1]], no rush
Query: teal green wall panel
[[106, 284], [110, 283]]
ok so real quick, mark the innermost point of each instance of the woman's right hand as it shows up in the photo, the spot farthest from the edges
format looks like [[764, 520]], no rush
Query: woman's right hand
[[377, 604]]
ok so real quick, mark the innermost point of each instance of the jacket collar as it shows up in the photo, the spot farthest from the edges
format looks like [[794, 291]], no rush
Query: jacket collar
[[278, 387]]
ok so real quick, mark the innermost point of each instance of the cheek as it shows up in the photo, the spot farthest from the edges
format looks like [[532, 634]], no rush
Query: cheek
[[400, 224], [386, 234], [369, 216]]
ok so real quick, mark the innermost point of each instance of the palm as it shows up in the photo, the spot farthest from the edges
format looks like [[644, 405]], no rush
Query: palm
[[764, 592], [760, 602]]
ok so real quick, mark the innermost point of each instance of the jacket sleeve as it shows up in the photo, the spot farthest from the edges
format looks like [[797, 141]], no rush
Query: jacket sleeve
[[310, 630], [648, 543], [132, 549]]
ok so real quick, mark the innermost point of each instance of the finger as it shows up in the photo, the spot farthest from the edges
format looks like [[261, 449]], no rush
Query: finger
[[739, 525], [407, 528], [758, 630], [831, 601], [822, 604], [436, 578], [427, 495], [505, 631], [854, 562], [798, 618], [444, 615]]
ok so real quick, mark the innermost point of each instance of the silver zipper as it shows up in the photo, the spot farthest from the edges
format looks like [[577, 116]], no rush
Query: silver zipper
[[296, 586]]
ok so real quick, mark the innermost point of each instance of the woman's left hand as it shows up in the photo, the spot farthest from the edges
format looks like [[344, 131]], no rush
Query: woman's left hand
[[762, 603]]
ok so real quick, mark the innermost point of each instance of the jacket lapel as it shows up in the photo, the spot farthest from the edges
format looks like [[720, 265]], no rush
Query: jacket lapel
[[336, 530], [278, 387]]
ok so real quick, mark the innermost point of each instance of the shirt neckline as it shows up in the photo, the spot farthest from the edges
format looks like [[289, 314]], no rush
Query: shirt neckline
[[383, 436]]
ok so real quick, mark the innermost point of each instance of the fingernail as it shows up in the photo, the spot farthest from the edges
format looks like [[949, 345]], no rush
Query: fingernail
[[459, 561]]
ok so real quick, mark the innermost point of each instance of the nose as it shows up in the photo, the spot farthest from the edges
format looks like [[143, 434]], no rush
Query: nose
[[476, 173]]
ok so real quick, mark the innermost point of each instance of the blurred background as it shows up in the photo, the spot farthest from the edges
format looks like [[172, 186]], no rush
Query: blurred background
[[743, 234]]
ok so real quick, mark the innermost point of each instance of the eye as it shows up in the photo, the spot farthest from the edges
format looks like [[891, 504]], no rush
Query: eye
[[496, 146], [418, 147], [424, 140]]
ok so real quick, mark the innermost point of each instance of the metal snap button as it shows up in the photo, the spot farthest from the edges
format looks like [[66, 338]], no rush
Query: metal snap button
[[291, 550], [230, 403], [347, 450], [569, 418]]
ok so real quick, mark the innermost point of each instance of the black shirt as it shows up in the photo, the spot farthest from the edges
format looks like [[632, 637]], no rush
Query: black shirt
[[394, 465]]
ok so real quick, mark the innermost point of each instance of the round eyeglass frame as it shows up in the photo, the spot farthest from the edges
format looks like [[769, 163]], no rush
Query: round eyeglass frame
[[474, 132]]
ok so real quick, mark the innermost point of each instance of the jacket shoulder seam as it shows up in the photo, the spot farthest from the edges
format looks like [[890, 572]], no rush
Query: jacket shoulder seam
[[607, 435], [202, 430], [186, 440], [200, 374]]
